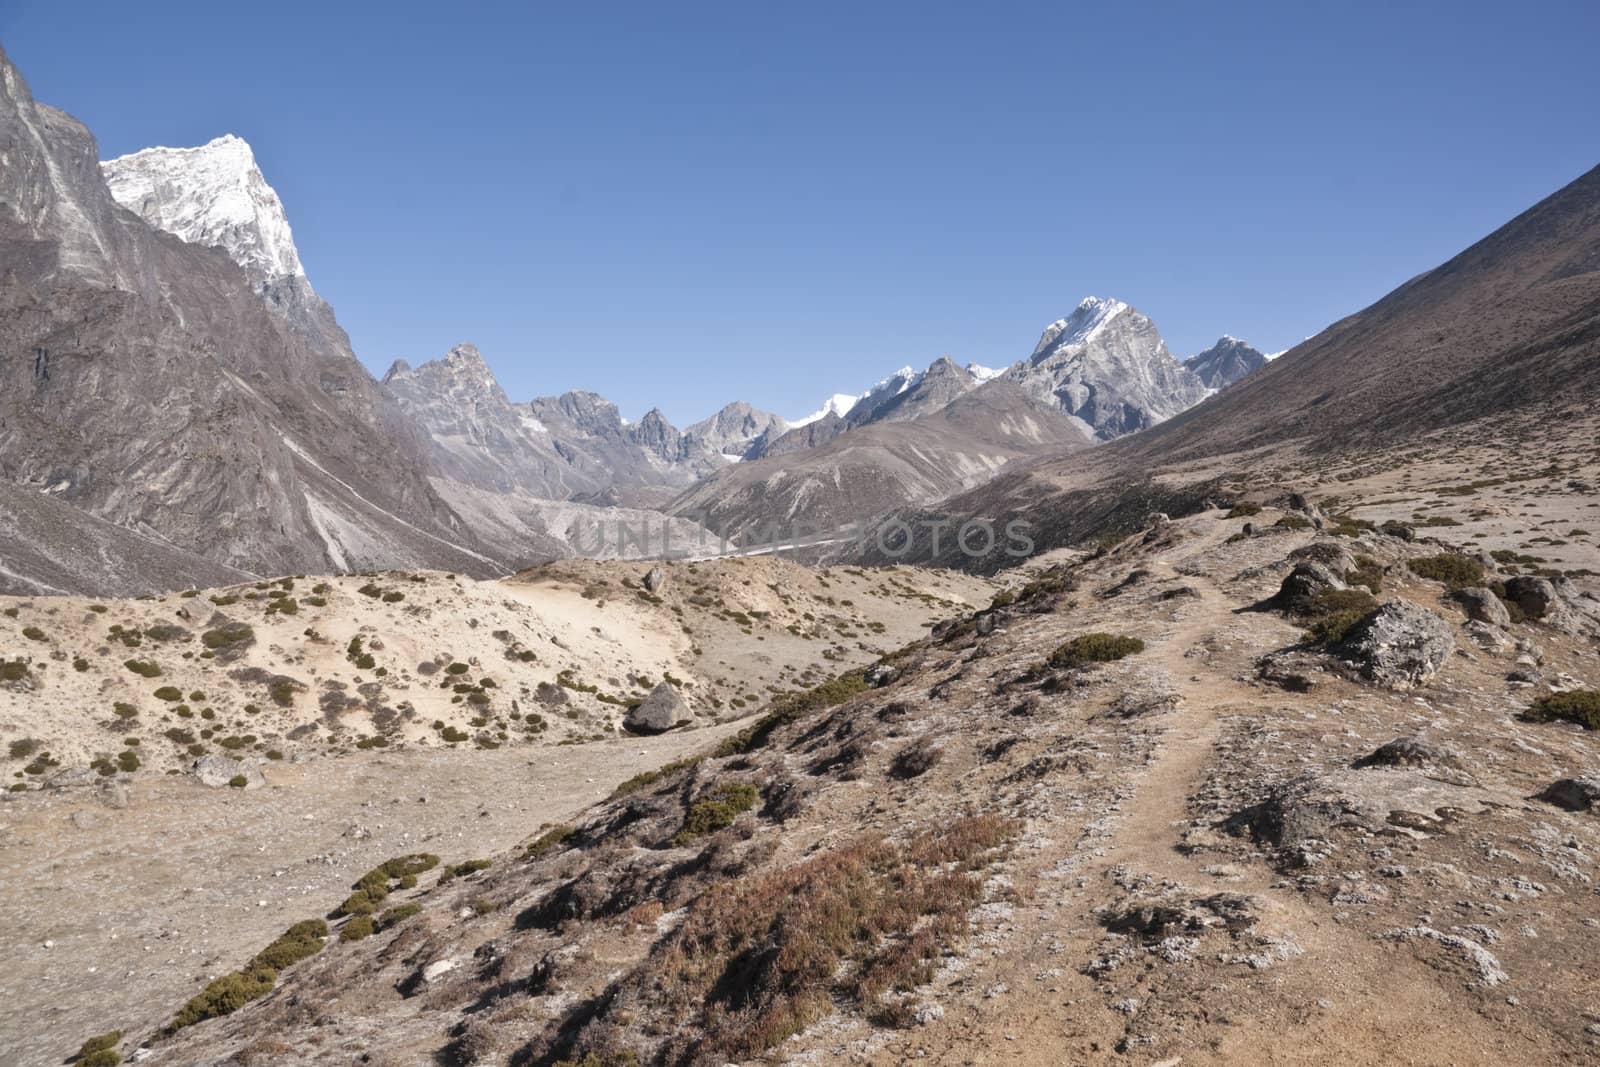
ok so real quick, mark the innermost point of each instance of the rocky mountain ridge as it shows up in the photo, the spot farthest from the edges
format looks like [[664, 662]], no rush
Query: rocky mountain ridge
[[148, 384], [1226, 362]]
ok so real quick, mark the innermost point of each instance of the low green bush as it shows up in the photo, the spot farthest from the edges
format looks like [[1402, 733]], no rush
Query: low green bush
[[398, 914], [716, 810], [100, 1051], [1581, 706], [461, 870], [549, 841], [144, 668], [1453, 569], [224, 996], [1334, 612], [1094, 648], [359, 927], [301, 941]]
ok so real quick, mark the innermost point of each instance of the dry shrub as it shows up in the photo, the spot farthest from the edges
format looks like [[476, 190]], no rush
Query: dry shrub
[[757, 961]]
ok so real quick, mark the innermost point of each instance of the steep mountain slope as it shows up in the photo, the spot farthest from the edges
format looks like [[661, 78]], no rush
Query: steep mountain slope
[[1107, 365], [1514, 320], [216, 195], [1225, 362], [48, 547], [148, 384], [1504, 337], [916, 396], [864, 472], [480, 438]]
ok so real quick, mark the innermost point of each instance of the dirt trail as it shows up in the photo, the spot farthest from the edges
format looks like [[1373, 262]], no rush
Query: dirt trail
[[1337, 1002]]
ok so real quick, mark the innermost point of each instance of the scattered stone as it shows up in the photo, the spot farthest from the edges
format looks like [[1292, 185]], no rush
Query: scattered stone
[[1305, 583], [880, 675], [1479, 958], [1412, 752]]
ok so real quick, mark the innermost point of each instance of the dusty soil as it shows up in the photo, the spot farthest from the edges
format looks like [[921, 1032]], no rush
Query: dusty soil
[[121, 902]]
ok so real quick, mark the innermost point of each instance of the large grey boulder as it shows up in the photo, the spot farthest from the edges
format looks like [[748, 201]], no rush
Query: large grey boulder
[[1398, 646], [662, 710], [1535, 596], [1481, 605], [655, 580], [217, 771]]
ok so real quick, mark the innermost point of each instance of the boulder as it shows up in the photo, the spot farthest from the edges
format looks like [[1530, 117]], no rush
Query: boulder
[[1330, 554], [1305, 583], [879, 675], [217, 771], [662, 710], [1536, 597], [655, 580], [1481, 605], [1398, 646], [1487, 637], [1574, 794], [1415, 752]]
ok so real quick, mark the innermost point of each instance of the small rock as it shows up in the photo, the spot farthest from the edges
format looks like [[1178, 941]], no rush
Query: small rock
[[438, 969], [1481, 605]]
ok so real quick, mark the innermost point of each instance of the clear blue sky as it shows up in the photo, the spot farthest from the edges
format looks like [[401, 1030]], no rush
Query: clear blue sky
[[679, 204]]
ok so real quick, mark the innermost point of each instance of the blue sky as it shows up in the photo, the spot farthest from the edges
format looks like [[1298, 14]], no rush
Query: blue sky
[[683, 204]]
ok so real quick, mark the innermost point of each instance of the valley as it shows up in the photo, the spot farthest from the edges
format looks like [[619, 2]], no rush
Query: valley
[[421, 719]]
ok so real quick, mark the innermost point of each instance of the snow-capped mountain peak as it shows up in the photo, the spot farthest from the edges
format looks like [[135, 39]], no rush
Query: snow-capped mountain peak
[[214, 194], [981, 374], [838, 404], [1092, 315]]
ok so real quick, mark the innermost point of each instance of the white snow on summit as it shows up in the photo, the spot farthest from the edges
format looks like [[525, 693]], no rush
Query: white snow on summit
[[210, 195], [981, 374], [838, 404], [1091, 316]]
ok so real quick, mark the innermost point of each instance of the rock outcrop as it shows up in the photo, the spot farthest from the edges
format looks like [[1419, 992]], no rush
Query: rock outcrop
[[1398, 646]]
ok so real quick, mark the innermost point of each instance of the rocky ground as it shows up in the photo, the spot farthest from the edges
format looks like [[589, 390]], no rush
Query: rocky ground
[[129, 883], [252, 674], [1219, 841]]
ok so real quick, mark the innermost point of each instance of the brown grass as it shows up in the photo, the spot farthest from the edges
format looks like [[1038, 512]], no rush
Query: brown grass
[[755, 962]]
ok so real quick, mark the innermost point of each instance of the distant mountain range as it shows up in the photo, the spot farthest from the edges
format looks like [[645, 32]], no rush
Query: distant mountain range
[[174, 379]]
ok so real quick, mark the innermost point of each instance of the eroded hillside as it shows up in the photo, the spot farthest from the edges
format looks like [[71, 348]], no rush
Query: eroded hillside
[[295, 667], [1263, 784]]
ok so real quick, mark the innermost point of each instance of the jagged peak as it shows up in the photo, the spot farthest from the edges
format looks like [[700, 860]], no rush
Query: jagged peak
[[1092, 315], [210, 194]]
